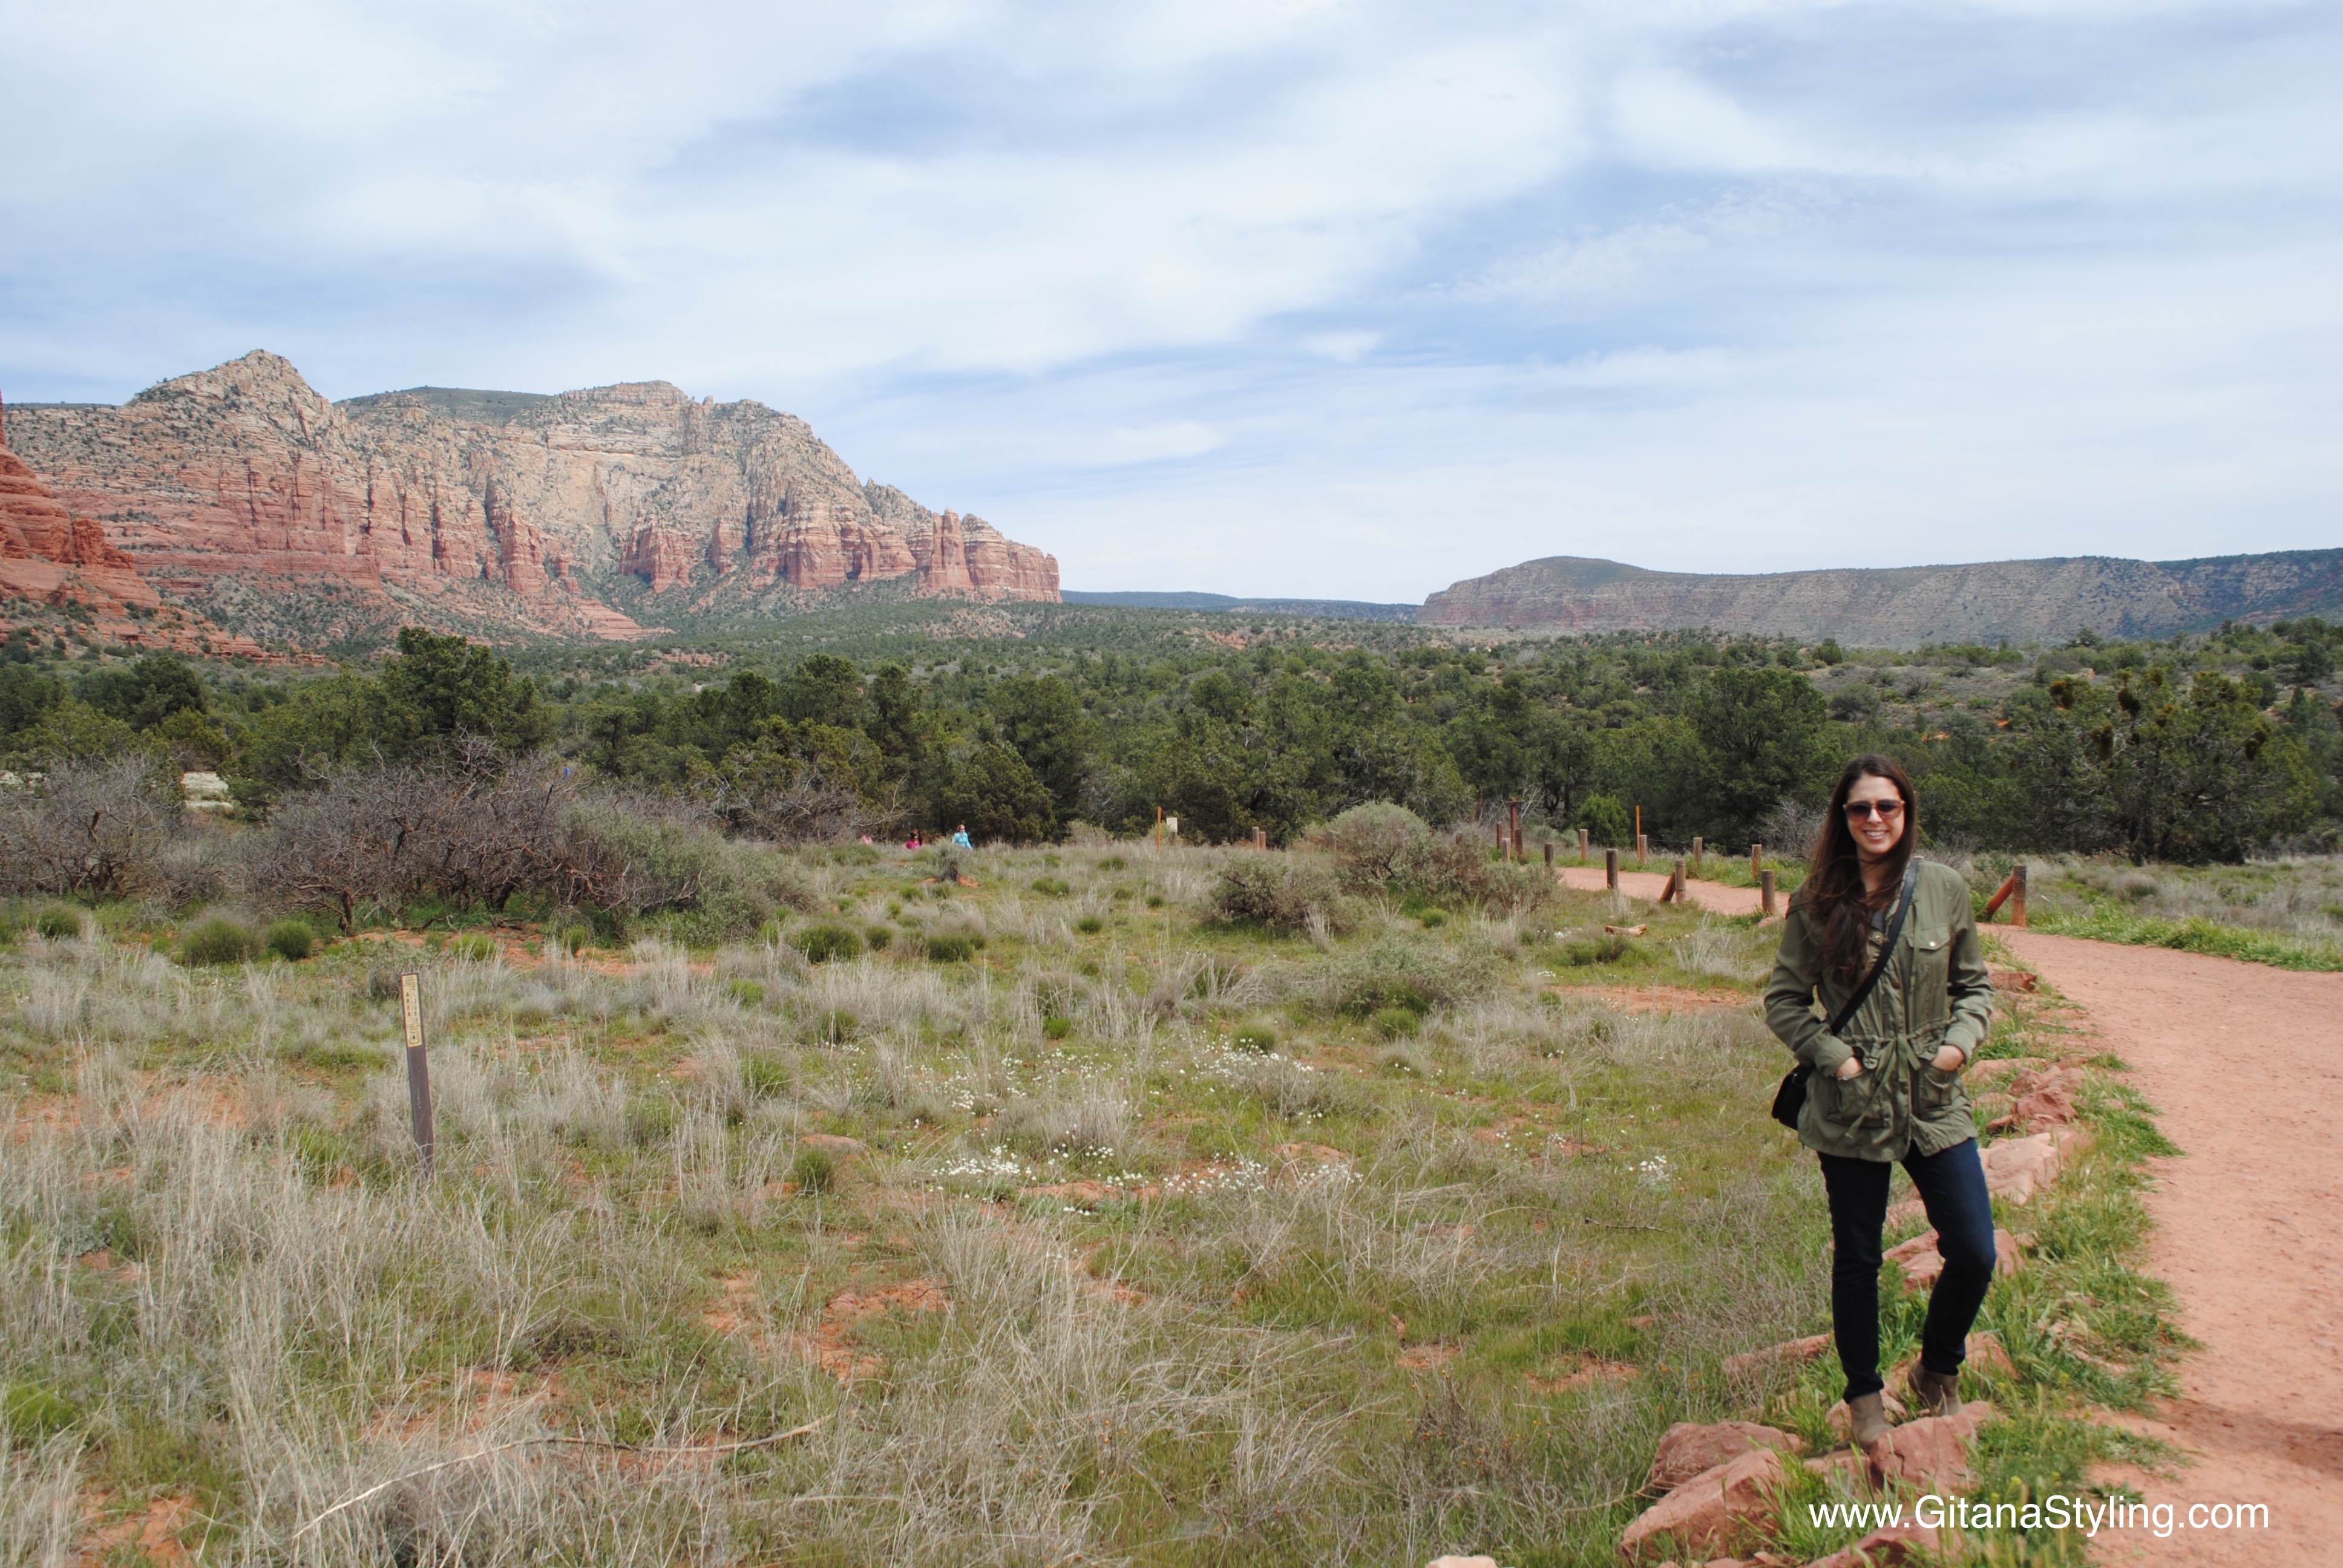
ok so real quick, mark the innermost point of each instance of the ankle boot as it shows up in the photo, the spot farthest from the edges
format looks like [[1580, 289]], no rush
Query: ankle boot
[[1874, 1437], [1935, 1393]]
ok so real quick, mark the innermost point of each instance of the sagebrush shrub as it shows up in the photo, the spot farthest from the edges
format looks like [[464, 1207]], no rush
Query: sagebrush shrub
[[1372, 844], [1415, 976], [58, 920], [1276, 892]]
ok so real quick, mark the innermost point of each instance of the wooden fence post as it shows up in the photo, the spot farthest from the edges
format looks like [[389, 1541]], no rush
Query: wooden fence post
[[2012, 892], [418, 1067], [1611, 869], [1696, 855], [1549, 854], [1757, 859], [1582, 846], [1513, 812], [1765, 892], [1676, 888], [1642, 847]]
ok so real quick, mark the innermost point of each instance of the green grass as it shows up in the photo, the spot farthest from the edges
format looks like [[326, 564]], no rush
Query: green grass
[[2196, 934]]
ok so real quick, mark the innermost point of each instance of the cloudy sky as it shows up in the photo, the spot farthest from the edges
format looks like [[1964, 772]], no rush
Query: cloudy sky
[[1268, 295]]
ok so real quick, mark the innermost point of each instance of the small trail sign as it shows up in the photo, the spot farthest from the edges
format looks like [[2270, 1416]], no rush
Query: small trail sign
[[418, 1066]]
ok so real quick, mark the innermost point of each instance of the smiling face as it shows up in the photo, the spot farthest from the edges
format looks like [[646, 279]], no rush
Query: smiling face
[[1874, 817]]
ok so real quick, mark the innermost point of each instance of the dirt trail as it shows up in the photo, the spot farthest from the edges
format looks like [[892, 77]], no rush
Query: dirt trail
[[2245, 1062], [1717, 898]]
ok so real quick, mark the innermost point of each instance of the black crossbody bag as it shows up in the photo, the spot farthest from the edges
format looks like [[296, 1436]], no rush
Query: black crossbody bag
[[1791, 1098]]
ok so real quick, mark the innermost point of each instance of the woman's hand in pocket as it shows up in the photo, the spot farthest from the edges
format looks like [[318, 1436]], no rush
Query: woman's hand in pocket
[[1949, 1058], [1850, 1067]]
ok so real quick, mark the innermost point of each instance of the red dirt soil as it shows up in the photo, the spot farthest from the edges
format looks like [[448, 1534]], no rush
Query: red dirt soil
[[2245, 1064]]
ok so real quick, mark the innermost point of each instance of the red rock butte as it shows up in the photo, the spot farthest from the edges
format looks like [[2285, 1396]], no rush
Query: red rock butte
[[241, 490]]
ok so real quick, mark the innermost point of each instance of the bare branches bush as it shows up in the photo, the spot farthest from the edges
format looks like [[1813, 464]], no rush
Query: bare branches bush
[[90, 827]]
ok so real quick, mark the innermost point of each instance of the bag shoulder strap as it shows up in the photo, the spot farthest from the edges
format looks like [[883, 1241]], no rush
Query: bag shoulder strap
[[1886, 951]]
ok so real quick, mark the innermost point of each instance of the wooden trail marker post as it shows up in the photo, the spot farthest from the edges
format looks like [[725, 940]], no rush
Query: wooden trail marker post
[[1757, 859], [418, 1067], [1696, 855], [1765, 892], [1583, 838], [1549, 854], [1514, 812], [1639, 834], [1676, 888], [1611, 869], [1642, 847]]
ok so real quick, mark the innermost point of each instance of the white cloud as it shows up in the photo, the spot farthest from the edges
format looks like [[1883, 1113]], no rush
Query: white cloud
[[1332, 295]]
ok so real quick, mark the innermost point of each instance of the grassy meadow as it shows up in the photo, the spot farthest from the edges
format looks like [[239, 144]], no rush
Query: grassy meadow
[[1079, 1225]]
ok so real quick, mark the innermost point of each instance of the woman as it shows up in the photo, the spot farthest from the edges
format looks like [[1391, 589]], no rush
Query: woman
[[1887, 1086]]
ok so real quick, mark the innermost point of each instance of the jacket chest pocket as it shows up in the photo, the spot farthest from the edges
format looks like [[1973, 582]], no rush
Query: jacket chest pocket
[[1931, 967]]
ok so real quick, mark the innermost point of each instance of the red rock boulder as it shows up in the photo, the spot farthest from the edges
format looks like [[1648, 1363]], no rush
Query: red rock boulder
[[1713, 1510], [1690, 1448]]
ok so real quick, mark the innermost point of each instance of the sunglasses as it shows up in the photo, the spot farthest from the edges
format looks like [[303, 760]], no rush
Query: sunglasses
[[1861, 810]]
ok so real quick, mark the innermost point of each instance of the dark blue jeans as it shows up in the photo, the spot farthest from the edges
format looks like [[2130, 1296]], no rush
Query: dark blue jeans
[[1951, 1185]]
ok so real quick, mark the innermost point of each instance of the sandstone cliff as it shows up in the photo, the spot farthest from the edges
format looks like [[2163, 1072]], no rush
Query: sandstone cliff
[[240, 488], [2036, 600], [57, 560]]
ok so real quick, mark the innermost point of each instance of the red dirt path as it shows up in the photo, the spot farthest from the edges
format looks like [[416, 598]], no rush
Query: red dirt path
[[2245, 1063], [1717, 898]]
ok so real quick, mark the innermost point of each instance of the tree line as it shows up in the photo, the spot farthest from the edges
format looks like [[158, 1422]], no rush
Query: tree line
[[2200, 749]]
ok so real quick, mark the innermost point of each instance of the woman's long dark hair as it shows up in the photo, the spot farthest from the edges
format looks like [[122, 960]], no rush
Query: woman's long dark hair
[[1834, 894]]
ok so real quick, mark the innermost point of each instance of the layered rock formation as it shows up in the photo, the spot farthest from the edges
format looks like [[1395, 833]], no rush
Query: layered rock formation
[[2036, 600], [55, 558], [241, 488]]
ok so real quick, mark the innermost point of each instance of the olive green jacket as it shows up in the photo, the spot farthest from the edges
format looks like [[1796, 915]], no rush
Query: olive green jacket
[[1934, 993]]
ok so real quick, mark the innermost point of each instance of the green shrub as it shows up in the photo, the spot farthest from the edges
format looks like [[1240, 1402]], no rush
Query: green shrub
[[1053, 887], [951, 950], [478, 949], [820, 943], [837, 1024], [747, 993], [878, 937], [34, 1414], [1416, 976], [1256, 1039], [291, 941], [219, 940], [1057, 1028], [765, 1075], [814, 1170], [730, 887], [57, 921], [1432, 919], [575, 940], [1154, 900], [1112, 863], [1610, 947], [1089, 925], [1276, 892], [1393, 1022]]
